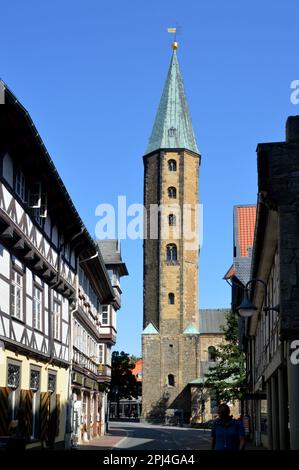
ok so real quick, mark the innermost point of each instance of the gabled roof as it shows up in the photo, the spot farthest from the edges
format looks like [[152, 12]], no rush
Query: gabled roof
[[191, 330], [230, 273], [19, 128], [198, 381], [150, 330], [111, 252], [173, 127], [137, 371]]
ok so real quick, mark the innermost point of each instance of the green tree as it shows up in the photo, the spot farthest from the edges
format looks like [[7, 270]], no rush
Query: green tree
[[123, 382], [134, 359], [228, 377]]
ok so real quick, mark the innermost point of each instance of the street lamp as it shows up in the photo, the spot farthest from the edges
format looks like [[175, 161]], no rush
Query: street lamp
[[246, 309]]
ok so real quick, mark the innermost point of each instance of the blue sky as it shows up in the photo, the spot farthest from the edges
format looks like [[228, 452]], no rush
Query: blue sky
[[91, 75]]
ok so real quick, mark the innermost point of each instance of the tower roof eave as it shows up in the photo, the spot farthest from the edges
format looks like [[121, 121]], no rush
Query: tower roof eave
[[172, 149]]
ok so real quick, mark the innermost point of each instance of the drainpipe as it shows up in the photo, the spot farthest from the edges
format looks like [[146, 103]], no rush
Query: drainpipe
[[70, 403]]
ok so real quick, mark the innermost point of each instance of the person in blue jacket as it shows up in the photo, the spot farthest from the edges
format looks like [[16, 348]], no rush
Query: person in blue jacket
[[227, 433]]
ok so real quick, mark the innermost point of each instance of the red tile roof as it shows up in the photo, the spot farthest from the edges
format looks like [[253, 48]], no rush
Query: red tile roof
[[230, 272], [246, 225], [137, 371]]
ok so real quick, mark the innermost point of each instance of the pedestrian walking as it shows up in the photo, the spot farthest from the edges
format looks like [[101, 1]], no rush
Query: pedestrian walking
[[18, 432], [227, 432]]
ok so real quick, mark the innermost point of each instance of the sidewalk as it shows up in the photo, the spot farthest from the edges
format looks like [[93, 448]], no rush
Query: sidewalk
[[108, 441]]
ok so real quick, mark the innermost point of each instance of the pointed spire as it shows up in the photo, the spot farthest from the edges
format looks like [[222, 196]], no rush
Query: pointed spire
[[173, 127]]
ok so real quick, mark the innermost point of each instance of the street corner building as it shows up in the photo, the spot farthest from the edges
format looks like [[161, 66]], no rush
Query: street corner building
[[171, 339], [269, 334], [58, 295]]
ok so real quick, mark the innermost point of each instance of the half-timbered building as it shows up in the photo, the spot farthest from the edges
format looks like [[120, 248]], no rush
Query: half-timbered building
[[94, 334], [51, 271]]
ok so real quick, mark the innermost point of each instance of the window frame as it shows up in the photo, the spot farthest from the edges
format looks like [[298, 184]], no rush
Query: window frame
[[172, 220], [171, 253], [14, 394], [172, 192], [37, 288], [211, 354], [101, 353], [20, 185], [57, 316], [51, 373], [172, 165], [16, 287], [106, 322]]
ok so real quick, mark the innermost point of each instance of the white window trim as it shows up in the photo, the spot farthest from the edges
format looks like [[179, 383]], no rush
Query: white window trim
[[37, 308], [56, 321], [17, 291]]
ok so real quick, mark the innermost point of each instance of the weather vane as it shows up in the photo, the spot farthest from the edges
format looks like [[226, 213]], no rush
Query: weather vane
[[173, 31]]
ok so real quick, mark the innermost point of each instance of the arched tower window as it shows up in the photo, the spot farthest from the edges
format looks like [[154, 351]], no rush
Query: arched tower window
[[172, 192], [211, 354], [171, 252], [171, 165], [172, 219], [171, 298], [171, 381]]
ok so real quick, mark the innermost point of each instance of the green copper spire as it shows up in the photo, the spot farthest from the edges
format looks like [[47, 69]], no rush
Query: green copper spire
[[173, 127]]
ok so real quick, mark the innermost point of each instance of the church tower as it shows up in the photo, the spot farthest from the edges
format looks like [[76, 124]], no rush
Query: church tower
[[170, 339]]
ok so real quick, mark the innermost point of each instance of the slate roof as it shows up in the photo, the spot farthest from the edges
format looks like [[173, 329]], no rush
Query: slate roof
[[172, 127], [211, 320], [111, 253]]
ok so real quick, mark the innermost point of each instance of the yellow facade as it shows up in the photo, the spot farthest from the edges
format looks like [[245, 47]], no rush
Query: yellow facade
[[62, 382]]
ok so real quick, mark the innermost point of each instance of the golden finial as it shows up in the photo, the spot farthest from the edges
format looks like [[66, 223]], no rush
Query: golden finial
[[174, 45]]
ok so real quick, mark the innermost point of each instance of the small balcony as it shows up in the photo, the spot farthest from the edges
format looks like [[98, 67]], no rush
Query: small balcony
[[82, 360], [104, 372]]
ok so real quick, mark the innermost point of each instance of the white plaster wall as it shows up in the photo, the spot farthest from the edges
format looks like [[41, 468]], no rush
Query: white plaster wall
[[4, 296], [64, 332], [29, 319], [4, 262]]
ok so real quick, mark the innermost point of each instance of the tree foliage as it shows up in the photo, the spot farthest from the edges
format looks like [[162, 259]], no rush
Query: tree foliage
[[134, 359], [227, 377], [123, 382]]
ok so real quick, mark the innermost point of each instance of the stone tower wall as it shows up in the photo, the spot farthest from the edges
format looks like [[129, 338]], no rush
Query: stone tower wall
[[171, 352]]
